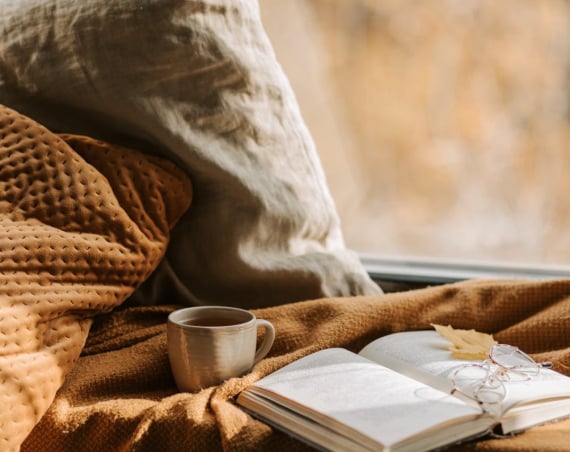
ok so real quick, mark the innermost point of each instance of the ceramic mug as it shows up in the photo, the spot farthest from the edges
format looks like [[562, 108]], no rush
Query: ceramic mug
[[209, 344]]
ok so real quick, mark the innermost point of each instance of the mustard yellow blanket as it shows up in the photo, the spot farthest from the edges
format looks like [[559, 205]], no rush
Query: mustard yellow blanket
[[121, 395]]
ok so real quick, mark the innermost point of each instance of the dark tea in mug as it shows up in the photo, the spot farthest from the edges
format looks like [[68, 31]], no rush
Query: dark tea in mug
[[212, 321]]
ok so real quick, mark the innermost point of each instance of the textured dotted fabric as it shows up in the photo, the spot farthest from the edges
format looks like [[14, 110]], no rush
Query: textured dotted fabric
[[82, 224]]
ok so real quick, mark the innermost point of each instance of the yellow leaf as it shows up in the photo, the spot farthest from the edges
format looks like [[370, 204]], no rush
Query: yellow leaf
[[466, 344]]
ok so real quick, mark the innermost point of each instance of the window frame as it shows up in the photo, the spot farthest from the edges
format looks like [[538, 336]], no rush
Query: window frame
[[426, 271]]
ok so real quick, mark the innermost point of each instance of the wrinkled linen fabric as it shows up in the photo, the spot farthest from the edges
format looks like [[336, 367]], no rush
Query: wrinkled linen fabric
[[198, 82], [82, 225], [121, 394]]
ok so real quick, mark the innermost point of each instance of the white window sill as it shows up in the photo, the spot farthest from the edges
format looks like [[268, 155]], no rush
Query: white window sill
[[441, 271]]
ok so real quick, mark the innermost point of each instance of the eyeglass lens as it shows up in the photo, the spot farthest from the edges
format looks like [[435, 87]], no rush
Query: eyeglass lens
[[510, 357], [479, 383]]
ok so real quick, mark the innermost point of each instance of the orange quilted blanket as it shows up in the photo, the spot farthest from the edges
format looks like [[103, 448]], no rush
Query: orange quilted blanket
[[82, 224]]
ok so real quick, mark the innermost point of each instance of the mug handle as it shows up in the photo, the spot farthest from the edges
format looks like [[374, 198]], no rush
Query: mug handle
[[267, 339]]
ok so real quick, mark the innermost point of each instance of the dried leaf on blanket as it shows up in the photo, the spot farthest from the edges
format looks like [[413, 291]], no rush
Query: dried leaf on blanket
[[466, 344]]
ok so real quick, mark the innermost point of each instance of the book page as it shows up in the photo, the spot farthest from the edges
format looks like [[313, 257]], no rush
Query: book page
[[362, 399], [423, 355]]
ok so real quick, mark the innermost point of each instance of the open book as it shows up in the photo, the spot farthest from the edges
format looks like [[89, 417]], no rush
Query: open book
[[395, 395]]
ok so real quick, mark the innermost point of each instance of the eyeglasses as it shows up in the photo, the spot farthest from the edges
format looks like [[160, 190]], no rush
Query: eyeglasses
[[484, 382], [513, 359]]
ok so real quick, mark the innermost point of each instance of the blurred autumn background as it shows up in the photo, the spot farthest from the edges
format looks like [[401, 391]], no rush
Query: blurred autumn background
[[443, 126]]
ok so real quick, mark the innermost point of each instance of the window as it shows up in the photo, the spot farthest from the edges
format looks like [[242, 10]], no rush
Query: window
[[443, 127]]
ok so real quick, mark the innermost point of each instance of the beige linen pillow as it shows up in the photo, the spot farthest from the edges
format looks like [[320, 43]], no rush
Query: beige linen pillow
[[199, 81]]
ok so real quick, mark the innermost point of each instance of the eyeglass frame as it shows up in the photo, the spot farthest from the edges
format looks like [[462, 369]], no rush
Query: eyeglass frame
[[494, 378], [535, 365]]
